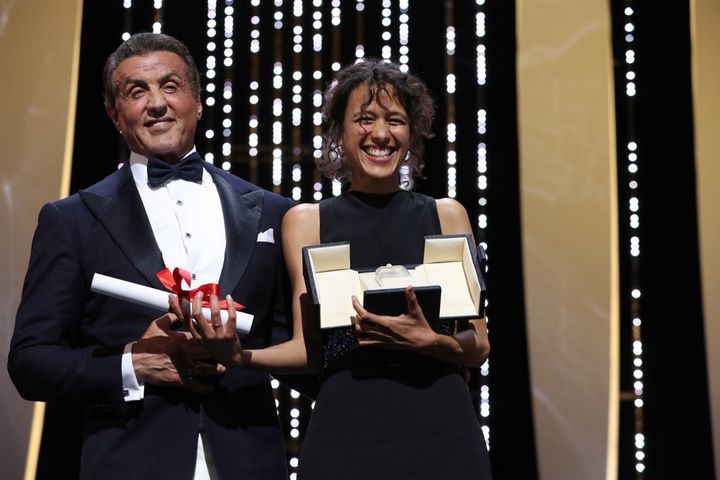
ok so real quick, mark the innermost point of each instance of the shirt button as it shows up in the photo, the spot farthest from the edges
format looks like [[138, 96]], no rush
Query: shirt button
[[188, 235], [179, 203]]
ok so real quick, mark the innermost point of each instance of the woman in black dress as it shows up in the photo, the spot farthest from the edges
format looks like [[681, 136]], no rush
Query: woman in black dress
[[393, 403]]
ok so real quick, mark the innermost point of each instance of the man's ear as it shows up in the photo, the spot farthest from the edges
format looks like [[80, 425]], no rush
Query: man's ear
[[199, 110], [113, 114]]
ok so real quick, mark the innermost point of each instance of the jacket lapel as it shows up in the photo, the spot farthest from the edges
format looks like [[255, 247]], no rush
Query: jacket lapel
[[121, 212], [242, 214]]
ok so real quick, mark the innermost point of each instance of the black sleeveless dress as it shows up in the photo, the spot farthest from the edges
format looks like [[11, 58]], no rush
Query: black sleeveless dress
[[384, 414]]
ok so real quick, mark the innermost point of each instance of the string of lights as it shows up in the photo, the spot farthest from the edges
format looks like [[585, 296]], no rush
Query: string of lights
[[297, 98], [157, 16], [450, 127], [277, 157], [127, 19], [317, 76], [294, 400], [210, 88], [482, 185], [359, 29], [227, 94], [254, 98], [335, 19], [386, 34], [631, 154], [404, 35], [277, 108]]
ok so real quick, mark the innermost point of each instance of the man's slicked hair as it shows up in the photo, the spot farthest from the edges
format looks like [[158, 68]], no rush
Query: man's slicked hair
[[142, 44]]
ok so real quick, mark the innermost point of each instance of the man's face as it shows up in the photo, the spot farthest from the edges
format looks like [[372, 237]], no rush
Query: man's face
[[155, 109]]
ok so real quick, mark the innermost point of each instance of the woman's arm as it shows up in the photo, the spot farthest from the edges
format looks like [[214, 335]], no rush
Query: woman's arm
[[472, 341], [300, 227], [411, 331]]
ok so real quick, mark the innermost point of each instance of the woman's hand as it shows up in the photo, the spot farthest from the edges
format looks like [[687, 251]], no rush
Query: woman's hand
[[409, 331], [220, 340], [166, 357]]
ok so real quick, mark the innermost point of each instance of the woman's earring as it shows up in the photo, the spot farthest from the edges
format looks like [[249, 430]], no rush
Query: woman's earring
[[340, 151]]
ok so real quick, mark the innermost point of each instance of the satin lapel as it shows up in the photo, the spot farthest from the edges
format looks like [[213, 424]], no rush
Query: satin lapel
[[123, 216], [242, 213]]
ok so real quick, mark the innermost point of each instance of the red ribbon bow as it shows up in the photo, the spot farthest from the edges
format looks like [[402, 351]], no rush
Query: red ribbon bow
[[173, 282]]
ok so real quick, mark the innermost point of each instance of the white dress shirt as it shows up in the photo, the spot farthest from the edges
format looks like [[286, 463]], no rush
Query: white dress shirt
[[189, 229], [187, 222]]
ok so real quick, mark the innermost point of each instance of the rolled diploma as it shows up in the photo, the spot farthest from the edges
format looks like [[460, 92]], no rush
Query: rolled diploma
[[154, 298]]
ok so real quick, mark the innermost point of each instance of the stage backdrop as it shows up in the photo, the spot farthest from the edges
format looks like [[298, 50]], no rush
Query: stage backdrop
[[39, 47], [568, 207], [705, 16], [568, 196]]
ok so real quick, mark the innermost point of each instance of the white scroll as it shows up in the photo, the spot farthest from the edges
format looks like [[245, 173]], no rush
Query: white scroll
[[154, 298]]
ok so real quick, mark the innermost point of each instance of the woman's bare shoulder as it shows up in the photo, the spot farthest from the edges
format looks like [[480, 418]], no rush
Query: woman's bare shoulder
[[301, 224], [453, 217], [303, 212], [450, 207]]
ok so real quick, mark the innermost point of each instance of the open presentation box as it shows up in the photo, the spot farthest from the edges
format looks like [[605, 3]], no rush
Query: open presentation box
[[449, 283]]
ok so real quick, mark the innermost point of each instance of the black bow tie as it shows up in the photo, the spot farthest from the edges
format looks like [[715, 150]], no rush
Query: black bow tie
[[189, 168]]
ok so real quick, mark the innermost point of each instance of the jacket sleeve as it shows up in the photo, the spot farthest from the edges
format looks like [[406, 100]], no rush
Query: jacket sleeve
[[49, 359], [282, 315]]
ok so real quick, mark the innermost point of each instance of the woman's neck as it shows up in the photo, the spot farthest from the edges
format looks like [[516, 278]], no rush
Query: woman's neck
[[374, 186]]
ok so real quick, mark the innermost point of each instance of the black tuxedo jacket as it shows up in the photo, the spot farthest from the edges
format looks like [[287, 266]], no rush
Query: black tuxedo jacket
[[68, 341]]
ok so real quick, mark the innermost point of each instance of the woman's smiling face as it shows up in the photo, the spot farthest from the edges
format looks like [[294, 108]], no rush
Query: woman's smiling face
[[375, 139]]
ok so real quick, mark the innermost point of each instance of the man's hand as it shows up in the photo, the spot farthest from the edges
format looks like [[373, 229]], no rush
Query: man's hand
[[163, 356]]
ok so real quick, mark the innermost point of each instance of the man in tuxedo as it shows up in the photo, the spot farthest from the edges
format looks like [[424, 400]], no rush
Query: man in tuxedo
[[155, 409]]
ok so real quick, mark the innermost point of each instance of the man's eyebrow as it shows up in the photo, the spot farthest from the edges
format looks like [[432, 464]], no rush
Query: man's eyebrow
[[172, 76], [132, 81]]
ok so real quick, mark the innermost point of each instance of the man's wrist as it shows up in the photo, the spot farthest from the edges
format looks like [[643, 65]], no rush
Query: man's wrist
[[133, 387]]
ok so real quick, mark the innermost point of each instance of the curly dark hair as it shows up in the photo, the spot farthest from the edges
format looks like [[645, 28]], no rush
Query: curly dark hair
[[407, 89], [142, 44]]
